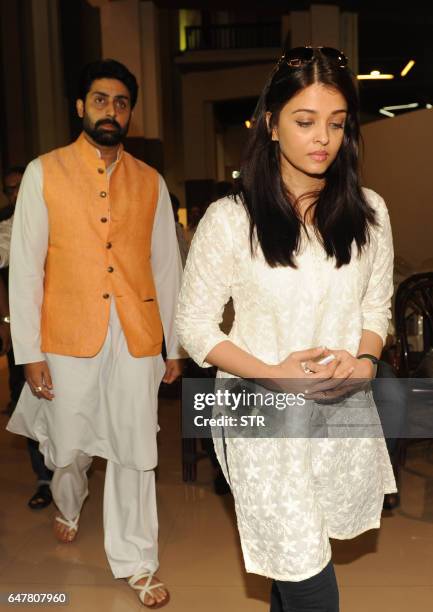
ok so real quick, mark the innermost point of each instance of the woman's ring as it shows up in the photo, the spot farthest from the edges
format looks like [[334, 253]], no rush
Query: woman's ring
[[38, 389]]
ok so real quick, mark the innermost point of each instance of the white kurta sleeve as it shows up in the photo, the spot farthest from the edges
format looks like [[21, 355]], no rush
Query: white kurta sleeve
[[29, 247], [376, 303], [167, 269], [206, 286], [5, 241]]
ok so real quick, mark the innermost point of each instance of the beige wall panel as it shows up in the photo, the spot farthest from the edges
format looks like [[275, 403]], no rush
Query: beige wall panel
[[398, 165], [201, 88], [325, 25], [121, 40]]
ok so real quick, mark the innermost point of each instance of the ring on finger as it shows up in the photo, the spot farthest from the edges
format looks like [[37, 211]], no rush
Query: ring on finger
[[306, 368], [38, 389]]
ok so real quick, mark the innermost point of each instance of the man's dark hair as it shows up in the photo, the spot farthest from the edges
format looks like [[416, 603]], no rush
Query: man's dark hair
[[13, 170], [107, 69]]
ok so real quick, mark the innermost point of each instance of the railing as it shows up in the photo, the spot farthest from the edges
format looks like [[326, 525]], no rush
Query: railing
[[234, 36]]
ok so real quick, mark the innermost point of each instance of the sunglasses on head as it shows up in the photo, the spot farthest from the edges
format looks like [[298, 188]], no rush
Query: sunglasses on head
[[298, 56]]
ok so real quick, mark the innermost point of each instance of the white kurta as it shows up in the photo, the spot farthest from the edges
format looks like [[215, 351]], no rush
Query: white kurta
[[105, 405], [291, 495]]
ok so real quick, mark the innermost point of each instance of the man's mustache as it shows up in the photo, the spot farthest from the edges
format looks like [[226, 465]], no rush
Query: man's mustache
[[113, 122]]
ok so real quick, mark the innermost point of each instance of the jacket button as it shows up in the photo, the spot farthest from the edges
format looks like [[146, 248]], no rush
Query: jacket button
[[104, 219], [103, 194], [101, 170], [108, 245], [106, 296], [110, 269]]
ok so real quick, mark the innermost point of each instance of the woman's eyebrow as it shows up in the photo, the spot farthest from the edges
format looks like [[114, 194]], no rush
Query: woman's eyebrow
[[309, 110], [304, 110]]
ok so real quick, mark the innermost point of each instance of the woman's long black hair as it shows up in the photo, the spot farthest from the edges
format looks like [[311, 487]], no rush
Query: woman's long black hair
[[341, 213]]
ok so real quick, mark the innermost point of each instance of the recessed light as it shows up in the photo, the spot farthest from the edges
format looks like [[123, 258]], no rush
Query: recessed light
[[374, 75], [409, 65], [401, 106]]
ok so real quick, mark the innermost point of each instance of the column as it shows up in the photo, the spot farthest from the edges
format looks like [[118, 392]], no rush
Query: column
[[34, 106], [52, 126], [323, 25], [129, 30]]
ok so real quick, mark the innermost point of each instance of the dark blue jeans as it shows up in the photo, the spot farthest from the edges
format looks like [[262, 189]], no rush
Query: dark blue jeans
[[43, 474], [316, 594]]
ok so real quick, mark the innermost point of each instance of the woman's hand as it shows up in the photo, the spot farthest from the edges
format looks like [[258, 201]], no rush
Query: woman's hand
[[306, 374], [303, 364], [361, 371]]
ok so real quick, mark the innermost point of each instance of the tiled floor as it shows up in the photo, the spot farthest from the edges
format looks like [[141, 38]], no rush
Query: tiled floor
[[390, 570]]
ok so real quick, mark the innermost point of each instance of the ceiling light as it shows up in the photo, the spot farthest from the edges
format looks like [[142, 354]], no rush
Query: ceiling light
[[409, 65], [382, 111], [374, 74], [248, 123], [402, 106]]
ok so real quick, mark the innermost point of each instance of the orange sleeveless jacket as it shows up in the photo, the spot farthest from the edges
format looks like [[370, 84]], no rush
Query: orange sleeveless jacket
[[100, 233]]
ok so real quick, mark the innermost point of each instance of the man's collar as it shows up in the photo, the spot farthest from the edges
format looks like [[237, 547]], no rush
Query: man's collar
[[92, 154]]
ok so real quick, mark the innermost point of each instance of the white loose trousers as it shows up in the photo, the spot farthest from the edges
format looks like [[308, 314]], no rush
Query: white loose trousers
[[130, 515], [105, 406]]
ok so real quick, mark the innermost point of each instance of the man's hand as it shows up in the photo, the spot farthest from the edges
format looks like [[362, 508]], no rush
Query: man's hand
[[173, 369], [39, 379], [5, 338]]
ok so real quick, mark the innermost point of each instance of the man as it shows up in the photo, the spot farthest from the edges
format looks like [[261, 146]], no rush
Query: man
[[94, 265], [11, 184], [180, 234]]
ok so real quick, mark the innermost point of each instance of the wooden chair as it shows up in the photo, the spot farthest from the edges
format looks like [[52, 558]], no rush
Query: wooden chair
[[193, 450]]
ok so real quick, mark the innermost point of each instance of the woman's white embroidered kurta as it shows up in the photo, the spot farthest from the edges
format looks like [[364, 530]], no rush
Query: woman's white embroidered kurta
[[291, 495]]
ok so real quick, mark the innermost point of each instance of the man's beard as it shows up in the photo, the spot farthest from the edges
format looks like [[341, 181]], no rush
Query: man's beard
[[106, 138]]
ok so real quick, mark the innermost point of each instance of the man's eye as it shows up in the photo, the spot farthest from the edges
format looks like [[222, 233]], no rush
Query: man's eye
[[304, 124], [99, 100]]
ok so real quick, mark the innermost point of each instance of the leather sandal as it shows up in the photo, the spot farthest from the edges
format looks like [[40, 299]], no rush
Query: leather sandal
[[147, 588], [42, 498]]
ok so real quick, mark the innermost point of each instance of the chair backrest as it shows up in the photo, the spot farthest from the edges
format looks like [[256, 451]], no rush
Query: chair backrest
[[414, 297]]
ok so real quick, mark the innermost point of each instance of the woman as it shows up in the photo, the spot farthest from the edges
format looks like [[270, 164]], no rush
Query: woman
[[306, 254]]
